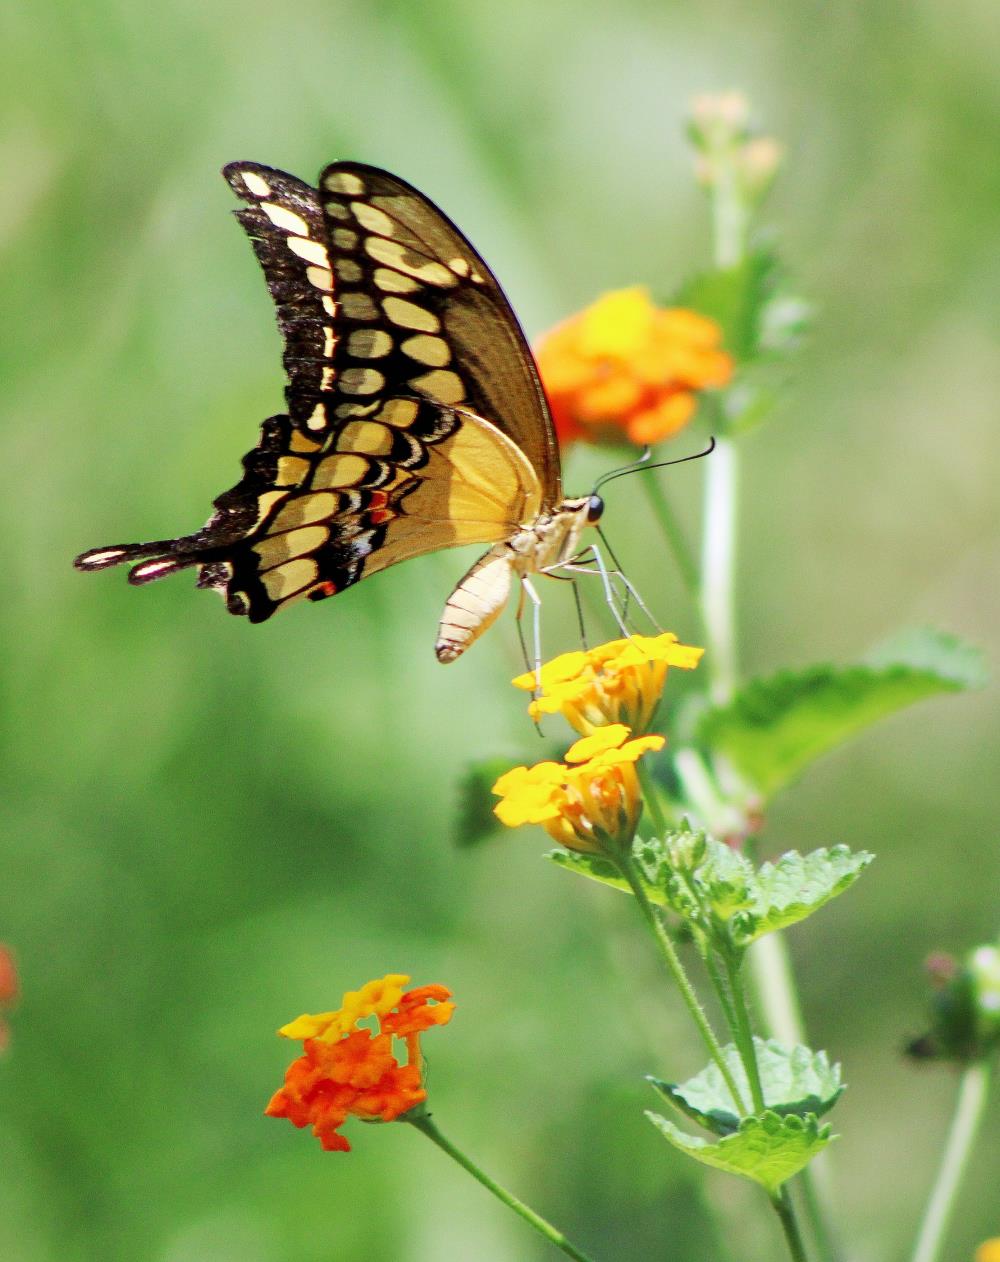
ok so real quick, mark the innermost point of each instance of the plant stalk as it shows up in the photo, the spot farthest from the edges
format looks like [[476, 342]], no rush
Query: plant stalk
[[423, 1123], [744, 1034], [972, 1093], [626, 865], [783, 1208]]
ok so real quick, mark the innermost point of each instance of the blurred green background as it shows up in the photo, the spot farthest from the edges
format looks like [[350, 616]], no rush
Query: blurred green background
[[209, 827]]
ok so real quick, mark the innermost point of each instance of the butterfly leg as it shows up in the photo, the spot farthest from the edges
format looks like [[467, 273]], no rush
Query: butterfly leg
[[536, 631]]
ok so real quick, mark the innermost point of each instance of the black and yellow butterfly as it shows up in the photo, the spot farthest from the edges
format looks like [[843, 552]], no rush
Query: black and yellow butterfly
[[416, 419]]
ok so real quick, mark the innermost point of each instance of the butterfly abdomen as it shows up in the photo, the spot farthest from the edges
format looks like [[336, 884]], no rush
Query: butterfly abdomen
[[475, 604]]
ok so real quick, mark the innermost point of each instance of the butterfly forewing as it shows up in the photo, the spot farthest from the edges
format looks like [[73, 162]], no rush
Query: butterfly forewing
[[435, 320], [415, 417]]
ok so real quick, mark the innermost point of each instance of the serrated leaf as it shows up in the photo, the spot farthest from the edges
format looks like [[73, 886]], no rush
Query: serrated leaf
[[475, 820], [594, 866], [775, 727], [795, 1081], [768, 1149], [796, 885], [736, 298]]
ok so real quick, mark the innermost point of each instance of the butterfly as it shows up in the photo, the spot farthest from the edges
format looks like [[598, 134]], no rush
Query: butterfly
[[416, 418]]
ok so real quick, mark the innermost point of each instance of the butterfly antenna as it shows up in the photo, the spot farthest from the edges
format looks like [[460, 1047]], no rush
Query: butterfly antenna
[[643, 463]]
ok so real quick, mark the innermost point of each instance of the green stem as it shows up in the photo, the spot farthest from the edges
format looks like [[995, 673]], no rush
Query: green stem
[[719, 985], [744, 1034], [667, 521], [626, 866], [651, 798], [972, 1093], [783, 1208], [774, 987], [423, 1123], [718, 569]]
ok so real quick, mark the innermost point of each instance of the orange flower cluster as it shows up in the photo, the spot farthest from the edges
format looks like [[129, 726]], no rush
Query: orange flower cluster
[[593, 804], [626, 370], [347, 1068]]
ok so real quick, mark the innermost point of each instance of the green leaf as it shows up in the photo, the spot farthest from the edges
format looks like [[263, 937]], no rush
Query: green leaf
[[796, 885], [775, 727], [768, 1149], [594, 866], [476, 821], [796, 1082], [736, 298]]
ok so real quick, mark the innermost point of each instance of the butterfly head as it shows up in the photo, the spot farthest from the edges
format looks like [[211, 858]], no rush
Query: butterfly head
[[595, 509]]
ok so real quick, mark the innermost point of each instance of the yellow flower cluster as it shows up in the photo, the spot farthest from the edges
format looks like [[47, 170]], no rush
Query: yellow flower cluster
[[618, 682], [591, 802]]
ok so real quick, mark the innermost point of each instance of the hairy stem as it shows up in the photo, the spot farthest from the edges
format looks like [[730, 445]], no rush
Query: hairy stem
[[668, 953], [789, 1225]]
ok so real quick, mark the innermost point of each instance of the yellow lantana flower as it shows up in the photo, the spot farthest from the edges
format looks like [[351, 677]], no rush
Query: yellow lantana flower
[[592, 802], [626, 370], [347, 1068], [989, 1250], [618, 682]]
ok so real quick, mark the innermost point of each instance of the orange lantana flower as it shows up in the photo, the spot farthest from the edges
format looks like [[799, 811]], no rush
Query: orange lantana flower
[[618, 682], [626, 370], [347, 1068], [593, 804]]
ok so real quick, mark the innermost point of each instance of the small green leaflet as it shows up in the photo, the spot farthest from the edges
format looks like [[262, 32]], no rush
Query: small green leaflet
[[768, 1149], [795, 1081], [719, 892]]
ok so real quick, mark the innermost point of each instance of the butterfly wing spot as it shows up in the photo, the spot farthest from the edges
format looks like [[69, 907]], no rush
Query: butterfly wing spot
[[368, 438], [397, 256], [361, 381], [311, 251], [257, 185], [345, 238], [338, 471], [289, 578], [100, 558], [285, 219], [276, 549], [426, 349], [320, 278], [442, 385], [343, 182], [292, 471], [408, 315], [373, 219], [400, 413], [369, 343], [357, 305], [347, 271], [306, 509], [391, 282]]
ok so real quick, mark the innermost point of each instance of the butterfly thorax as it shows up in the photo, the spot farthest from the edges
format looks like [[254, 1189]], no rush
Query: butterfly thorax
[[550, 541]]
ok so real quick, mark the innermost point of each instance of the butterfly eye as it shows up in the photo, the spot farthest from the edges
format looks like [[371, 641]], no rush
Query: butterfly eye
[[595, 509]]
